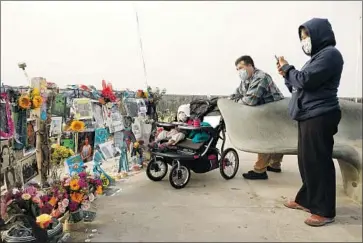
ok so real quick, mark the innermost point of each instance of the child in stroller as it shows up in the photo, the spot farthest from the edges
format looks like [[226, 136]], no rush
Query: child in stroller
[[169, 138], [197, 153]]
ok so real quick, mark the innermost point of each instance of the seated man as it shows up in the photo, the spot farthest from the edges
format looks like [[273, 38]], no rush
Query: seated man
[[257, 88]]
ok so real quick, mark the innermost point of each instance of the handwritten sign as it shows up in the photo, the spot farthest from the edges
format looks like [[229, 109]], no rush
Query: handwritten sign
[[74, 164]]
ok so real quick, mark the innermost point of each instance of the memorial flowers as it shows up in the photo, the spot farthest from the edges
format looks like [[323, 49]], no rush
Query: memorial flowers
[[37, 101], [77, 126], [19, 201], [24, 102], [30, 100], [59, 154]]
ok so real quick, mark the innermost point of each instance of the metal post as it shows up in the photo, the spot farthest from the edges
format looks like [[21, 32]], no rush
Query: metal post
[[141, 49]]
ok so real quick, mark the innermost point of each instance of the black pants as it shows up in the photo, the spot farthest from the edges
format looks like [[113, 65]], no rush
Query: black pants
[[315, 149]]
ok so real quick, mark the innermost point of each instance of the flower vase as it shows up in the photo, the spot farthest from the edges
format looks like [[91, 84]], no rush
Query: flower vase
[[76, 216]]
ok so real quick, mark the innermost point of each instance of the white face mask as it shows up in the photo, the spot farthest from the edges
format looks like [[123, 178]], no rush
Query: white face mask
[[306, 45], [243, 74]]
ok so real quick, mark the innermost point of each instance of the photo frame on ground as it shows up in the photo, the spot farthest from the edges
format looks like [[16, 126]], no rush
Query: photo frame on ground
[[83, 148]]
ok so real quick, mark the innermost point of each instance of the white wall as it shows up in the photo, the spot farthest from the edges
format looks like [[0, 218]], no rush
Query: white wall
[[190, 47]]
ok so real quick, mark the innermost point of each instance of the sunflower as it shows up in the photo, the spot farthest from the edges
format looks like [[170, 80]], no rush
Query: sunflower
[[35, 92], [77, 126], [73, 184], [24, 102], [37, 101], [77, 197]]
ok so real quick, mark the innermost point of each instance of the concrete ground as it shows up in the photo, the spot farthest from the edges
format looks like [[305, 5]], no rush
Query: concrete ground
[[212, 209]]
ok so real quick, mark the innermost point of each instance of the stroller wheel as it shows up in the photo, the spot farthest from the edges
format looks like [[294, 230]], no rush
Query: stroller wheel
[[229, 163], [179, 178], [157, 169]]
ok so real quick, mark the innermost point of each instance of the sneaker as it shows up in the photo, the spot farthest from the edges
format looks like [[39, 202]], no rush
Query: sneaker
[[252, 175], [269, 168]]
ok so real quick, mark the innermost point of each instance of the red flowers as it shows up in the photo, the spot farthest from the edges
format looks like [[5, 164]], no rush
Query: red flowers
[[107, 92]]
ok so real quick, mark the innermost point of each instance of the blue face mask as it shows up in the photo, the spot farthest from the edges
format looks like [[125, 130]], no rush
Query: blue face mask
[[243, 74]]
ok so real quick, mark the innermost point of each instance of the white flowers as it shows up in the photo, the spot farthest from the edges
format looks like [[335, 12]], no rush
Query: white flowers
[[65, 202], [91, 197], [86, 205]]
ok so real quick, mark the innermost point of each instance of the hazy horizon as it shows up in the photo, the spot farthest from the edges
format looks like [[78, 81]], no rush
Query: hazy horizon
[[189, 47]]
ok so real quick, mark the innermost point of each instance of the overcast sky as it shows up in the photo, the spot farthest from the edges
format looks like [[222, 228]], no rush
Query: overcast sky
[[189, 47]]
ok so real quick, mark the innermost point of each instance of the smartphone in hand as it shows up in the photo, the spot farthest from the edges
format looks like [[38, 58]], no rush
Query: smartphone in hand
[[277, 59]]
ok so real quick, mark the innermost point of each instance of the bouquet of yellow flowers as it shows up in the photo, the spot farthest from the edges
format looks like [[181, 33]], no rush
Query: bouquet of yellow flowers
[[60, 153], [30, 100]]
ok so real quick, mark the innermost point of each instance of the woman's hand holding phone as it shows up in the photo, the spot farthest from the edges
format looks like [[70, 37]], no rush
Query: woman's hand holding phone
[[279, 66]]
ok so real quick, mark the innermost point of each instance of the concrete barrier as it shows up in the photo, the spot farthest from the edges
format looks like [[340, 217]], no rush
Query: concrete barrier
[[269, 129]]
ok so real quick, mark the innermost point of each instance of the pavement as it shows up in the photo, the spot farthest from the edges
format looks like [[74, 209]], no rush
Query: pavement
[[211, 209]]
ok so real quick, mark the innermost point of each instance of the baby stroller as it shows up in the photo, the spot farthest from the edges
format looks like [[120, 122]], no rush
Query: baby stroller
[[198, 157]]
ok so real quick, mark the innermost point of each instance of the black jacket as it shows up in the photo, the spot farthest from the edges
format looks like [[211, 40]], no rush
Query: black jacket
[[314, 89]]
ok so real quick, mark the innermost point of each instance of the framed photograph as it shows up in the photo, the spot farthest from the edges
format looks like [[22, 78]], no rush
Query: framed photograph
[[67, 140], [85, 145], [29, 168], [13, 175], [59, 107], [108, 149], [6, 131], [31, 138], [82, 109], [56, 126], [5, 155]]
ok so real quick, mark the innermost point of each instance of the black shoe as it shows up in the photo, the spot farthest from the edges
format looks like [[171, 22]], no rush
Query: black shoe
[[251, 175], [273, 169]]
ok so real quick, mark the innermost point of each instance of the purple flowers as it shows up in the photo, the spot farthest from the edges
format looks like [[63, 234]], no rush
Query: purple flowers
[[82, 183], [45, 198], [82, 175], [31, 190], [73, 206], [46, 209]]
